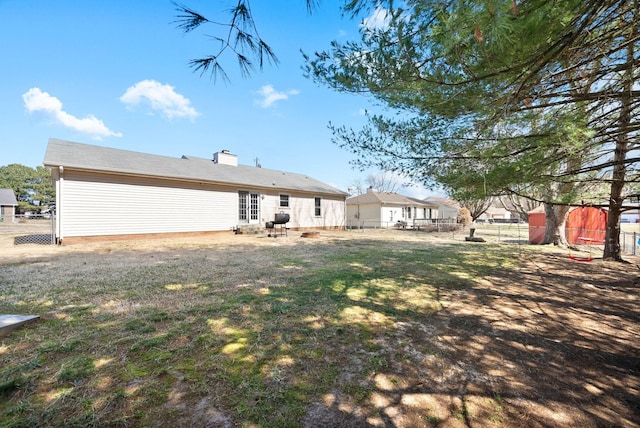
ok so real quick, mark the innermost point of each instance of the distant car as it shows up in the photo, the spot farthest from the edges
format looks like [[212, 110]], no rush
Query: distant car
[[35, 215]]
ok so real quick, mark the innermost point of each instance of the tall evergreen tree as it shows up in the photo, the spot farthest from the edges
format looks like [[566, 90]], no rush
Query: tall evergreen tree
[[237, 36], [469, 70], [533, 93], [32, 186]]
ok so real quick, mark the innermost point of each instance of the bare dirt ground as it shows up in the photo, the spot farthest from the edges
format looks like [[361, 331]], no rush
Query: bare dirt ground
[[551, 343]]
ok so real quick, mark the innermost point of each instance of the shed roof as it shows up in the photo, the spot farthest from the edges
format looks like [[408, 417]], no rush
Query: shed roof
[[108, 160], [387, 198], [7, 197]]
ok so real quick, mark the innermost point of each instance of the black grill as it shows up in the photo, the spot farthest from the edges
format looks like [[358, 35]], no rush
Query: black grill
[[281, 218], [278, 225]]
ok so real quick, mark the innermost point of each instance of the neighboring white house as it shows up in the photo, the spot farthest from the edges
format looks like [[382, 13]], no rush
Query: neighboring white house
[[104, 192], [631, 215], [496, 211], [447, 208], [386, 209], [8, 205]]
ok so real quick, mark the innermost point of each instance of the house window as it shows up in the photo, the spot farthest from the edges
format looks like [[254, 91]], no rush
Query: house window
[[248, 207], [242, 205], [284, 201], [318, 210], [254, 207], [409, 212], [424, 213]]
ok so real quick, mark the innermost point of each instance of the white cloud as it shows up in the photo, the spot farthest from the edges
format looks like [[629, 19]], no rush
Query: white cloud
[[36, 100], [159, 97], [378, 20], [270, 96]]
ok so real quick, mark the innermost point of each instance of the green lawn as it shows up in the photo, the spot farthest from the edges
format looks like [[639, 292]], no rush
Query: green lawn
[[242, 335]]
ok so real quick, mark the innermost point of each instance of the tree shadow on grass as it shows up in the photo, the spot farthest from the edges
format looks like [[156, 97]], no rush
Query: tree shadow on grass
[[333, 334], [538, 346]]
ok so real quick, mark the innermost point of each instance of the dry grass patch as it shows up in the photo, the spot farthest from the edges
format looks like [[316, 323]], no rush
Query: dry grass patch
[[383, 328]]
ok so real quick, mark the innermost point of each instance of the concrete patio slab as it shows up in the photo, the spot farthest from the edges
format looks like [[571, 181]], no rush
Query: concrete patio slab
[[9, 323]]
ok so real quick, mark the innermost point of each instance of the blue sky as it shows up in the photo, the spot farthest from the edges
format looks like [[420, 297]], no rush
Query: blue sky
[[115, 73]]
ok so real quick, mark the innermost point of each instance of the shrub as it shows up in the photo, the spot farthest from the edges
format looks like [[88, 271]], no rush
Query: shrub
[[464, 216]]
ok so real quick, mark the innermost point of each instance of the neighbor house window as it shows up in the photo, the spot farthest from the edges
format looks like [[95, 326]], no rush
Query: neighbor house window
[[408, 212], [284, 201], [318, 211]]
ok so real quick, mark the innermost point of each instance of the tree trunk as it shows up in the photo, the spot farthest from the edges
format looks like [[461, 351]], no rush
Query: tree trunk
[[612, 250], [556, 217]]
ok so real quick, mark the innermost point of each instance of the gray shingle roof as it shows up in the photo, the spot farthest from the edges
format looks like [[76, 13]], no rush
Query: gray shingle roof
[[104, 159], [442, 201], [7, 197], [386, 198]]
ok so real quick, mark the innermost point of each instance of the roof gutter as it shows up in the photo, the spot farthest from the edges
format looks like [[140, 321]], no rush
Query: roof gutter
[[189, 180]]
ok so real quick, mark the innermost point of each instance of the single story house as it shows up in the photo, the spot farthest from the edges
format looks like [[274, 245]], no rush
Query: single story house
[[8, 205], [496, 211], [106, 193], [385, 209]]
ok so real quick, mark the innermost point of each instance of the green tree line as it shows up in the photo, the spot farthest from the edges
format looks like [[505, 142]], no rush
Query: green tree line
[[33, 187]]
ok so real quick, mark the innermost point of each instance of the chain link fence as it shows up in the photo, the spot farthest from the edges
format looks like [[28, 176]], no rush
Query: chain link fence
[[22, 229], [429, 225], [508, 233], [629, 243], [39, 229], [516, 233], [593, 240]]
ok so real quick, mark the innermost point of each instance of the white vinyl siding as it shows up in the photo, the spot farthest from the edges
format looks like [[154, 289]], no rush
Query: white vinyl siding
[[391, 215], [91, 204], [301, 211], [377, 215], [108, 205], [367, 215]]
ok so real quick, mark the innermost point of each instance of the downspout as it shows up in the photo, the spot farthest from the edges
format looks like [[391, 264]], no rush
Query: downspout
[[345, 219], [59, 186], [359, 218]]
